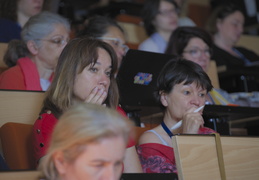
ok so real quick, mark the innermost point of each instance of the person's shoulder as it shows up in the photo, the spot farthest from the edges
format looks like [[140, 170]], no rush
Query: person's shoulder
[[249, 54], [216, 49], [9, 30], [12, 70], [149, 137], [12, 78], [48, 116], [245, 50], [241, 48], [185, 21], [148, 45], [220, 55], [6, 23], [46, 120]]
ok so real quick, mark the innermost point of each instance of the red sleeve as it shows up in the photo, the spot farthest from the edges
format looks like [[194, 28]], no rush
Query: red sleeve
[[131, 140], [12, 79], [121, 111], [42, 131]]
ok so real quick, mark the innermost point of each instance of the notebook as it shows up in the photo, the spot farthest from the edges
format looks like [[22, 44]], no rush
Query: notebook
[[137, 77]]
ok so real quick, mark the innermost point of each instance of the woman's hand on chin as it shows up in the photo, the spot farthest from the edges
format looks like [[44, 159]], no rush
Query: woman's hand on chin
[[97, 96]]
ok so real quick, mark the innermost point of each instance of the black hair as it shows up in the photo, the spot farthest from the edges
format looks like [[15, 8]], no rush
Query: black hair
[[97, 26], [181, 37], [226, 9], [179, 70], [149, 12], [220, 13]]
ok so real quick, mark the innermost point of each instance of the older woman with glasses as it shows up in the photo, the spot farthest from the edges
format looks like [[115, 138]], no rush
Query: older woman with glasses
[[160, 20], [109, 31], [43, 38]]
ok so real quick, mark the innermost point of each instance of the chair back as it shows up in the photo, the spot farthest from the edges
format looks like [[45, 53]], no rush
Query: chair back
[[134, 29], [213, 74], [3, 48], [250, 42], [241, 157], [20, 106], [21, 175], [139, 131], [16, 139]]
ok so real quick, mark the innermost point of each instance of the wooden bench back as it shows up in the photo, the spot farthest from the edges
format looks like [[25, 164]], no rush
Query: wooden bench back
[[20, 106], [213, 74], [250, 42], [197, 157], [241, 157], [3, 48], [134, 29], [21, 175]]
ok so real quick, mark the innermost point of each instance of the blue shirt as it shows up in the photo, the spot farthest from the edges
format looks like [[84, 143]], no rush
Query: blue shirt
[[9, 30], [155, 43]]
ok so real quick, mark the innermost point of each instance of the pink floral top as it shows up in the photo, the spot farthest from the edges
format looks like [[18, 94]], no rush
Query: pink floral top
[[159, 158]]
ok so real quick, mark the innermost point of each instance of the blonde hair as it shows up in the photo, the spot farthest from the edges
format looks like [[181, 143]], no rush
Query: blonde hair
[[80, 125]]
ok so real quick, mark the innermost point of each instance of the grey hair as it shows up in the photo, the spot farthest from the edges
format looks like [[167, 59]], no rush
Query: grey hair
[[41, 25]]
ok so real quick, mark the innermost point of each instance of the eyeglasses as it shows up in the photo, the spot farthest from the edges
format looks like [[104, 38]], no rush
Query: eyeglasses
[[198, 52], [168, 12], [117, 42], [58, 41]]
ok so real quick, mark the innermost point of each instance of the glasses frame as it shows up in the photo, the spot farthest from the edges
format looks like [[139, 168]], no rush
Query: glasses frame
[[120, 44], [61, 43], [200, 52], [169, 12]]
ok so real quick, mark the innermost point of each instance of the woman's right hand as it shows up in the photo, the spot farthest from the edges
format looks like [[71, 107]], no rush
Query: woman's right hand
[[192, 121], [97, 95]]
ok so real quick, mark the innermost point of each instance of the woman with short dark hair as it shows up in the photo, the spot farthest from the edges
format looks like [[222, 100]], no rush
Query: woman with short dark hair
[[182, 87]]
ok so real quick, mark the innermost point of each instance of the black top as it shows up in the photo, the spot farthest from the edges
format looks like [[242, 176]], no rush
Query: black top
[[224, 58]]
